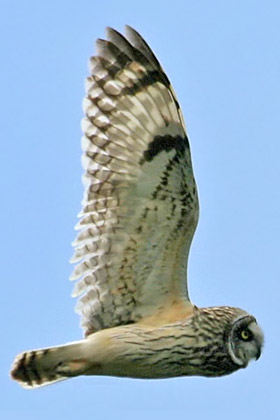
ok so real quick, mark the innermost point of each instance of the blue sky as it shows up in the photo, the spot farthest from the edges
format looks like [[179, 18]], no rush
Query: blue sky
[[224, 62]]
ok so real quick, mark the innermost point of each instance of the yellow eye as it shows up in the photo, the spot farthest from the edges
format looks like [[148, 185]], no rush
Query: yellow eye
[[245, 334]]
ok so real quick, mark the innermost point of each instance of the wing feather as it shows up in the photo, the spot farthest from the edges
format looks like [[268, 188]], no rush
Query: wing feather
[[140, 206]]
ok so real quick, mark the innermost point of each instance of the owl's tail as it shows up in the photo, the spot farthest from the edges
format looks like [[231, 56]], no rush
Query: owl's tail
[[36, 368]]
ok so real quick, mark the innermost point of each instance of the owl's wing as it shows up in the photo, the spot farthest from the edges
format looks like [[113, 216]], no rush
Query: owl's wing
[[140, 207]]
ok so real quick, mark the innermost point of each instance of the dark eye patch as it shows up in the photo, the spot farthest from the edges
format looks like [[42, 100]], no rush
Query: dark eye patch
[[248, 333]]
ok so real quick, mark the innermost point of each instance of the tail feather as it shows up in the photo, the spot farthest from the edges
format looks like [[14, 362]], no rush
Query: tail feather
[[36, 368]]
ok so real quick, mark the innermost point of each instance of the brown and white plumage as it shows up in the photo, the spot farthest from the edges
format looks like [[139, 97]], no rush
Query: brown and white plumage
[[140, 211], [140, 207]]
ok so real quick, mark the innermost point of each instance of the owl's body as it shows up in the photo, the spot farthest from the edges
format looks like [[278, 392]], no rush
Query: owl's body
[[140, 211], [198, 345]]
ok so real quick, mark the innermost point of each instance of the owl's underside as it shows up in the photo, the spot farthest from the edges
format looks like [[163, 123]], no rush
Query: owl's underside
[[140, 211]]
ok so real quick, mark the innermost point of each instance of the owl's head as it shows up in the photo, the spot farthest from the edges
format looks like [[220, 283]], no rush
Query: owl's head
[[245, 340]]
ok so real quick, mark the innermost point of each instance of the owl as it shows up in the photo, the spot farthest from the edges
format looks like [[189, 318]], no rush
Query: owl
[[139, 213]]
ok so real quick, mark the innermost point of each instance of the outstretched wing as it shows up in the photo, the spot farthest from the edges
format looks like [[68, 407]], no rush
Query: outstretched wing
[[140, 207]]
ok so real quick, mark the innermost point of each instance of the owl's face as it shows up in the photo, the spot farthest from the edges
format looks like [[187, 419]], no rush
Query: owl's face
[[245, 341]]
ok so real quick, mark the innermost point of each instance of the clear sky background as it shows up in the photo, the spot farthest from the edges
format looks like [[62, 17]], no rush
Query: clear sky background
[[223, 59]]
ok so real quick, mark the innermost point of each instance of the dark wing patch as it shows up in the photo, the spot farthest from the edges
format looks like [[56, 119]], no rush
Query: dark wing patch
[[164, 143]]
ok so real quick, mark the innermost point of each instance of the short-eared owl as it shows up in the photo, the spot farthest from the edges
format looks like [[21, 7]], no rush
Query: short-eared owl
[[140, 211]]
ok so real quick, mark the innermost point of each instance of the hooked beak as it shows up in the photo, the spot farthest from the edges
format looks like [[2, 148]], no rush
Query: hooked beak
[[258, 355]]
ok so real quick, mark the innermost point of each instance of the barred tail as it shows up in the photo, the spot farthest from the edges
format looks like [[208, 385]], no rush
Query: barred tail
[[36, 368]]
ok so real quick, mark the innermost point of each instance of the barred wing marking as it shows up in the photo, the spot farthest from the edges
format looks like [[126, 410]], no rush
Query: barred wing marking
[[140, 207]]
